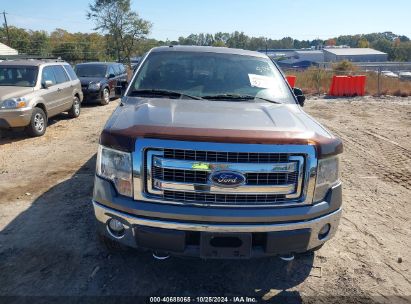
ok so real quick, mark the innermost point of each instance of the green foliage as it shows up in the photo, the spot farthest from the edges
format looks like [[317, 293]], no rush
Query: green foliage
[[124, 27], [343, 67], [127, 38]]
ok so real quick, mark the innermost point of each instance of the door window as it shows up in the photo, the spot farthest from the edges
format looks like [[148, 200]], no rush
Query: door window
[[61, 75], [71, 72], [48, 75]]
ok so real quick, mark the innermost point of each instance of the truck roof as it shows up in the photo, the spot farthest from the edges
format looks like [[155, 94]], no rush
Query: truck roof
[[207, 49]]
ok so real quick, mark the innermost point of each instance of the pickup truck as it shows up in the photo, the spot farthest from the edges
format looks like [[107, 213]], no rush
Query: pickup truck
[[210, 155]]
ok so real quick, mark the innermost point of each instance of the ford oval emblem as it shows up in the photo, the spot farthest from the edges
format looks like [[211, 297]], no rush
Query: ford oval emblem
[[227, 179]]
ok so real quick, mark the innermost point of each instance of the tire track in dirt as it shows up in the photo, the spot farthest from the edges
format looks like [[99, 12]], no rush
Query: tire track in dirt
[[392, 163]]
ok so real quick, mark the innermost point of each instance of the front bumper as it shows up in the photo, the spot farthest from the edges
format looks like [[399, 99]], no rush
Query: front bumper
[[187, 238], [14, 118], [89, 95], [183, 230]]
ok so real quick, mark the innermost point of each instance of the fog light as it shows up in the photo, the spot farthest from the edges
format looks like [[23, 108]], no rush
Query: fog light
[[116, 228], [324, 231]]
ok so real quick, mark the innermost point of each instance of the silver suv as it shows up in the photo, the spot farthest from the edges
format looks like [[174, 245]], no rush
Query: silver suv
[[31, 91]]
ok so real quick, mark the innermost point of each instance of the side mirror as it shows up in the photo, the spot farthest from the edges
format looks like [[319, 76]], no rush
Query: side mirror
[[46, 84], [300, 96], [111, 75]]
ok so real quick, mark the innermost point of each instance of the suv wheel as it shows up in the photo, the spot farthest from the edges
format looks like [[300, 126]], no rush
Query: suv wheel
[[38, 123], [105, 97], [74, 112]]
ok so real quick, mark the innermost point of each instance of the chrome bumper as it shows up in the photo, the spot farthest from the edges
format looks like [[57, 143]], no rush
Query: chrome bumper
[[103, 214]]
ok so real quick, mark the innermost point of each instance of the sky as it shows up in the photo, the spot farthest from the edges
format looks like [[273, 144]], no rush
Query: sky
[[299, 19]]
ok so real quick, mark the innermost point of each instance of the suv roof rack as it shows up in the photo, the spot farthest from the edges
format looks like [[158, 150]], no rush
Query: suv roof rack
[[28, 57]]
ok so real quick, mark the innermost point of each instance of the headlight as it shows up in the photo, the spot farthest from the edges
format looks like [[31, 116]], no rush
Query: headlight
[[116, 166], [94, 86], [328, 175], [14, 103]]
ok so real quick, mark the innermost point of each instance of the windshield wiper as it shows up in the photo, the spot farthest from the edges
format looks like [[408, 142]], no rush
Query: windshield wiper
[[236, 97], [162, 93]]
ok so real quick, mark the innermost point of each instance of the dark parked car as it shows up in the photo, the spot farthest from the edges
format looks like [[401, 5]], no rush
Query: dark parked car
[[101, 80]]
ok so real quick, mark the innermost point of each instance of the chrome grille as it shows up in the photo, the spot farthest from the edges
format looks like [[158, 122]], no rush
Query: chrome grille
[[183, 176], [178, 172]]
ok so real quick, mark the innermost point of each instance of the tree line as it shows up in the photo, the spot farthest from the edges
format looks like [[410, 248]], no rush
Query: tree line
[[120, 34]]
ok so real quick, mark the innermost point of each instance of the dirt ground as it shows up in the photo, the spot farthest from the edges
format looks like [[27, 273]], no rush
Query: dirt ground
[[48, 245]]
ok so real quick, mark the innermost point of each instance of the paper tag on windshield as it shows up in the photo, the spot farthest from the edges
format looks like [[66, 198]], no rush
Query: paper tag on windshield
[[260, 81]]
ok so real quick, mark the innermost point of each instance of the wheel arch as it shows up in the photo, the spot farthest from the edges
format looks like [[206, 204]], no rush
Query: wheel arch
[[42, 106]]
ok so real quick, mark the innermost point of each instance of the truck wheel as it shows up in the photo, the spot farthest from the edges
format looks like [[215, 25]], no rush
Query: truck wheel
[[105, 97], [74, 112], [38, 123]]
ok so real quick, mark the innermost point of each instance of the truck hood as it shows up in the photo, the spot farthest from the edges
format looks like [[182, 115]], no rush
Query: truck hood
[[8, 92], [213, 121]]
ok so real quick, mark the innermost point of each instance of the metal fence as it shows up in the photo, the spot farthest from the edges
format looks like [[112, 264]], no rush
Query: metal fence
[[383, 78]]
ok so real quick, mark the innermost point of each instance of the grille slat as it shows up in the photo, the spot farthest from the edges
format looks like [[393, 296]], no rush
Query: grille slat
[[229, 157], [224, 199], [201, 177]]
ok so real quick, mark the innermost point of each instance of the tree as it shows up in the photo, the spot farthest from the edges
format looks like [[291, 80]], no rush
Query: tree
[[331, 42], [363, 43], [20, 39], [126, 28], [39, 43]]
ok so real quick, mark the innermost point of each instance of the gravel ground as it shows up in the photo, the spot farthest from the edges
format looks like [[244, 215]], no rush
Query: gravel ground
[[48, 245]]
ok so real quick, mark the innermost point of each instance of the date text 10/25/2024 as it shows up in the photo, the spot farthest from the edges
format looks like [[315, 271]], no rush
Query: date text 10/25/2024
[[205, 299]]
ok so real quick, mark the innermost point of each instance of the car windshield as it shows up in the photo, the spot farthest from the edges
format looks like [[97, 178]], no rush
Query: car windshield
[[214, 76], [91, 70], [18, 76]]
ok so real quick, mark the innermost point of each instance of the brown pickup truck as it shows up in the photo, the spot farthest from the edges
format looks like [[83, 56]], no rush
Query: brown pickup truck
[[210, 155]]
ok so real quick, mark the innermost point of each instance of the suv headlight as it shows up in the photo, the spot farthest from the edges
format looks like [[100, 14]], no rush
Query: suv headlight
[[14, 103], [116, 166], [328, 175], [95, 86]]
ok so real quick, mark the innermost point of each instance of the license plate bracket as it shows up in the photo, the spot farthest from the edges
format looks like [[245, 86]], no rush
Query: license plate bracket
[[225, 245]]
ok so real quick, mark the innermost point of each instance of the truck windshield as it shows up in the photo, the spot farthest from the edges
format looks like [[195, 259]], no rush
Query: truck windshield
[[91, 70], [214, 76], [18, 76]]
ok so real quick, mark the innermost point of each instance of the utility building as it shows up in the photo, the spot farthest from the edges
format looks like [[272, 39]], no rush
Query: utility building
[[354, 55], [6, 50]]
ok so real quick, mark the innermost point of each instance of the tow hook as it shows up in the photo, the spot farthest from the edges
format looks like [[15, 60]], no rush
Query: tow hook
[[287, 257], [160, 255]]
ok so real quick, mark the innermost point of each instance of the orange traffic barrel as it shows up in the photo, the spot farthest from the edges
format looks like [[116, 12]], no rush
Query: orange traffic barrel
[[341, 85], [331, 92], [291, 80], [361, 80]]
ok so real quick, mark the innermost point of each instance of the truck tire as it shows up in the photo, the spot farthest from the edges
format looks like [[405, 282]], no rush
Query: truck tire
[[38, 123], [75, 110], [105, 97]]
